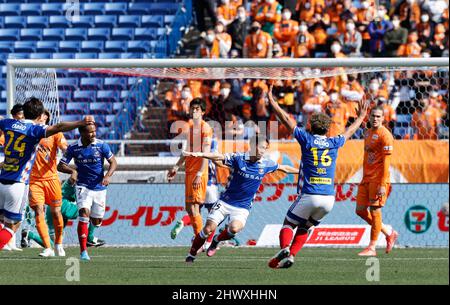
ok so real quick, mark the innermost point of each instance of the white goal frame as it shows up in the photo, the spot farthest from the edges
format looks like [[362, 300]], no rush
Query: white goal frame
[[213, 63]]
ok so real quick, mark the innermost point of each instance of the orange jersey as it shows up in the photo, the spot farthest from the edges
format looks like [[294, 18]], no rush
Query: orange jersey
[[197, 138], [377, 144], [425, 123], [258, 44], [44, 167], [2, 139]]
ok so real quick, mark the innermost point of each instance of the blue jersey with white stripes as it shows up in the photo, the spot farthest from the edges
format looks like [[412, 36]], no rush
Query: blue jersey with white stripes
[[89, 161], [21, 140], [245, 179], [318, 164]]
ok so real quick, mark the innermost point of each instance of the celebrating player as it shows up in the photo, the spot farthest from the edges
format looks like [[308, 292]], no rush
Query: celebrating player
[[375, 184], [45, 188], [89, 154], [21, 138], [249, 170], [316, 179], [69, 211], [199, 135]]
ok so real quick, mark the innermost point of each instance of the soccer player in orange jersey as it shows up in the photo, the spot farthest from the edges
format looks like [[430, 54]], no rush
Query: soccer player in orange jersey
[[375, 185], [45, 188], [199, 135]]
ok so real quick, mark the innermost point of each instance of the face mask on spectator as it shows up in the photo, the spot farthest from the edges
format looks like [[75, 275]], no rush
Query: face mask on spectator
[[307, 5], [303, 28], [426, 55], [225, 92], [374, 86], [210, 38], [334, 97], [286, 16], [365, 5], [270, 1], [396, 23], [434, 94], [350, 27], [335, 48], [225, 2], [242, 16], [410, 1], [381, 13], [185, 94], [424, 18], [219, 29], [318, 90]]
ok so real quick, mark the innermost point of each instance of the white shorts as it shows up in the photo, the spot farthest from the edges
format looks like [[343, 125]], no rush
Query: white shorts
[[94, 201], [310, 208], [221, 210], [212, 194], [13, 199]]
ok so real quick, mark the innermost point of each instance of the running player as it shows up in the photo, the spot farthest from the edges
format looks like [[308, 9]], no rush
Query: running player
[[45, 188], [69, 211], [21, 138], [199, 135], [316, 179], [89, 154], [375, 184], [248, 170]]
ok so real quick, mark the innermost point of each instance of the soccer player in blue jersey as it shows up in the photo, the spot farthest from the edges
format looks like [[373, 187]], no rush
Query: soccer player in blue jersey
[[316, 179], [89, 154], [247, 172], [22, 138]]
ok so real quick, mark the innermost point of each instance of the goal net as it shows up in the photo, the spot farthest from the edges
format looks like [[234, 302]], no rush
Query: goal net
[[137, 102]]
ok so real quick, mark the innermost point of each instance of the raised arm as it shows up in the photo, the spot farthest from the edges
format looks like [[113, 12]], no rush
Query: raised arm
[[281, 114], [287, 169], [210, 156], [362, 112], [68, 126]]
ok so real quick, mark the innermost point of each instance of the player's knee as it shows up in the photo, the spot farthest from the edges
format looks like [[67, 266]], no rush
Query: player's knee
[[83, 213], [96, 222], [38, 210], [234, 228]]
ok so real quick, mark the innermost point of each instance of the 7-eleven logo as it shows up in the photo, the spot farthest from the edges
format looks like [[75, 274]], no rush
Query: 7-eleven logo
[[418, 219]]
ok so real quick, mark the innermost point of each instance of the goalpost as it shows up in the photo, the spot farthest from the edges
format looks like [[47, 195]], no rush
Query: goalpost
[[415, 79]]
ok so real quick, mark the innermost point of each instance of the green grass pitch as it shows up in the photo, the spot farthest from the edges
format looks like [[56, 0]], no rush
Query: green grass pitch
[[230, 266]]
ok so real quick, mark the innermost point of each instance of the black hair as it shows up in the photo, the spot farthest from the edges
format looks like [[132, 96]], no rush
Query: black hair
[[16, 109], [49, 116], [198, 102], [33, 108]]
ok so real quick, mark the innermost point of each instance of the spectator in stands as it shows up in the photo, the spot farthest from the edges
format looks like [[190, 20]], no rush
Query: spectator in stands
[[209, 46], [364, 16], [305, 9], [351, 40], [226, 12], [377, 29], [390, 117], [339, 113], [278, 51], [318, 100], [336, 50], [286, 31], [234, 127], [375, 91], [259, 104], [425, 121], [305, 43], [224, 40], [318, 28], [351, 93], [348, 13], [238, 30], [411, 48], [409, 12], [231, 104], [268, 14], [396, 37], [439, 43], [258, 44], [425, 30], [200, 6]]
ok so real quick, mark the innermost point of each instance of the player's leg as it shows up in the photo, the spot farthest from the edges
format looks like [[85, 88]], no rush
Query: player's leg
[[194, 199], [37, 204], [84, 203], [209, 206], [179, 225], [12, 204], [97, 213], [212, 196], [238, 219], [54, 198]]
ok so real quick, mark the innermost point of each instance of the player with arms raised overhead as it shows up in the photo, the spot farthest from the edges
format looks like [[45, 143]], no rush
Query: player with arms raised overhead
[[247, 172], [21, 138], [45, 188], [199, 135], [375, 184], [89, 154], [316, 179]]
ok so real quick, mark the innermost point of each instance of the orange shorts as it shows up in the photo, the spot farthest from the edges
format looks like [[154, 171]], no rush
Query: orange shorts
[[198, 195], [46, 191], [367, 194]]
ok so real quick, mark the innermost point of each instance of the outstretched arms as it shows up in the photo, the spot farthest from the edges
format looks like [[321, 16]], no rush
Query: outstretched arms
[[287, 169], [215, 157]]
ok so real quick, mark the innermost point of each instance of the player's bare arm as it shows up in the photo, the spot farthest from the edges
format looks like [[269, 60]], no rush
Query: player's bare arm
[[281, 114], [112, 168], [66, 169], [198, 178], [363, 106], [173, 171], [215, 157], [287, 169], [68, 126]]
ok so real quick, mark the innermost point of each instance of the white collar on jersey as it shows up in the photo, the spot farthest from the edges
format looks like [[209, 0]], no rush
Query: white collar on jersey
[[247, 157], [81, 144], [319, 136]]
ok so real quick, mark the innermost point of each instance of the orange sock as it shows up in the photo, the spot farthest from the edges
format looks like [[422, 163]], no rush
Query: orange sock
[[197, 223], [364, 214], [42, 229], [58, 224], [376, 225]]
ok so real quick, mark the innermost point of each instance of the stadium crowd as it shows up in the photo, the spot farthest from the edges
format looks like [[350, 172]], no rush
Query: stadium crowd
[[315, 29]]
